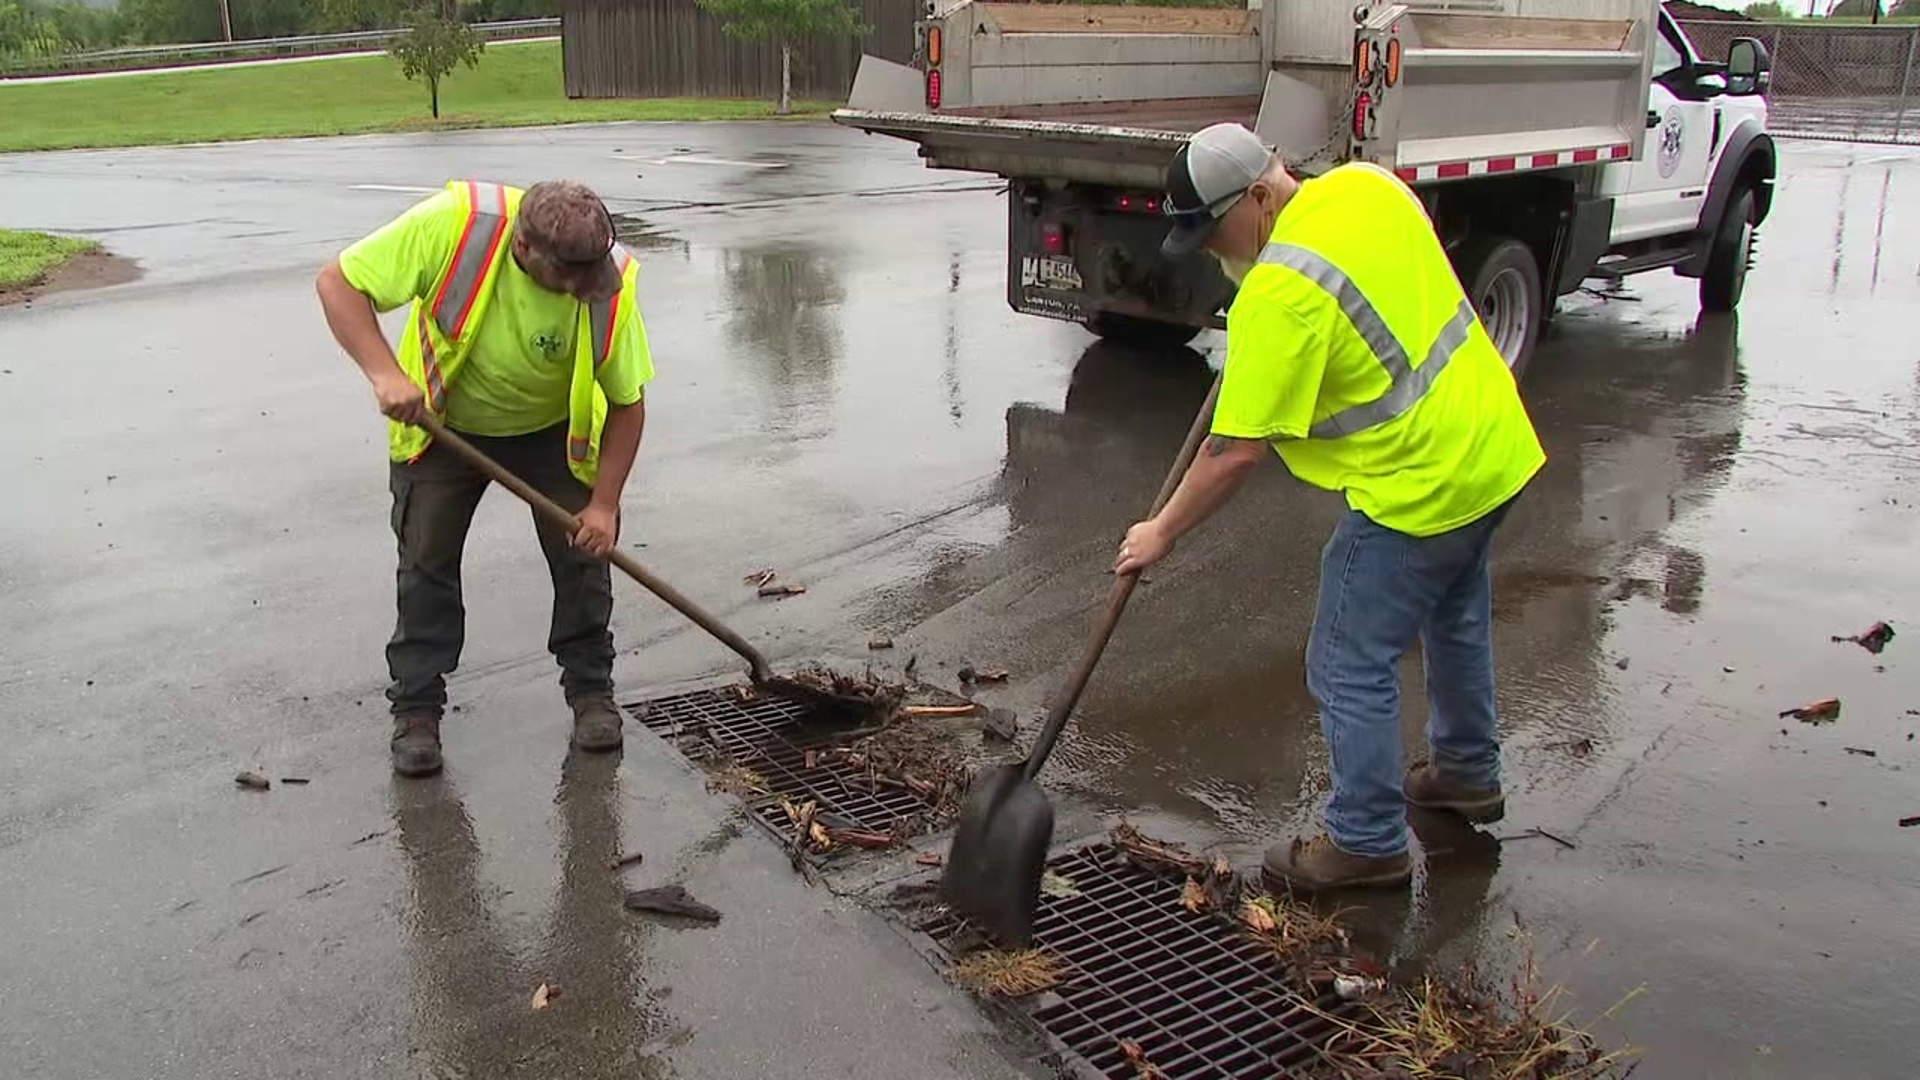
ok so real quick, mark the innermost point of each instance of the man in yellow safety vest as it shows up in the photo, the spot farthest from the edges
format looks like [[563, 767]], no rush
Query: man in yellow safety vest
[[1353, 352], [525, 337]]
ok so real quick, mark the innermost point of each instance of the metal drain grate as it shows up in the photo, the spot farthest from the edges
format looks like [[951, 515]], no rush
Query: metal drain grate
[[1200, 1000], [772, 737]]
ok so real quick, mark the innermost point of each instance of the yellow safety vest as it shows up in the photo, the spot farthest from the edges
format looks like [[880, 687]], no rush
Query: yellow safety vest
[[442, 327], [1416, 418]]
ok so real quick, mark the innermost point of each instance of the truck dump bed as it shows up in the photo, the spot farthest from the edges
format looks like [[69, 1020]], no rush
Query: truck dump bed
[[1105, 94]]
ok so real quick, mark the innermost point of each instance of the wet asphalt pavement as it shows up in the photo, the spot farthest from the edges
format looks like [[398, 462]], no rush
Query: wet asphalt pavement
[[195, 577]]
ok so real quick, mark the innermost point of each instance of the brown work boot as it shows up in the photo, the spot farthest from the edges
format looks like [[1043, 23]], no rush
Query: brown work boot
[[416, 743], [596, 725], [1305, 865], [1430, 789]]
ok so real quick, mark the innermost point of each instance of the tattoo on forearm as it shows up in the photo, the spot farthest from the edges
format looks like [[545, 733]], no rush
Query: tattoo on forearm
[[1217, 445]]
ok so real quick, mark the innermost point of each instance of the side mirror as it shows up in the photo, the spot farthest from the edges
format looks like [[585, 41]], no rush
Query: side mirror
[[1749, 67]]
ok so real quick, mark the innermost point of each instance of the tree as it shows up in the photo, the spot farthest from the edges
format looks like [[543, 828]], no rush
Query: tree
[[1856, 9], [785, 21], [1907, 9], [1768, 11], [433, 46]]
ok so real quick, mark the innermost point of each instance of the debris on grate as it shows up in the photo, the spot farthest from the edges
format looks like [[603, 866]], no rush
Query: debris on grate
[[1009, 974], [1196, 994], [858, 788]]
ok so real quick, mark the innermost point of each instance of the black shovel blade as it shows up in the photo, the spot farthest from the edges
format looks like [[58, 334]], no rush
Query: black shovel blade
[[999, 854]]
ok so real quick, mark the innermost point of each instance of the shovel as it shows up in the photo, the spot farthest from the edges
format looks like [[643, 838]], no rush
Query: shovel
[[1000, 846], [757, 667]]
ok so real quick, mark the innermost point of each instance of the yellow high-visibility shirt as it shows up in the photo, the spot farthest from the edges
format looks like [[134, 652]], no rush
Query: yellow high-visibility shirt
[[1352, 347], [517, 377]]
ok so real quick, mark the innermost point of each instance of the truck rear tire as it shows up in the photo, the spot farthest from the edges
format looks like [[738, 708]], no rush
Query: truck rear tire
[[1140, 333], [1503, 281], [1729, 255]]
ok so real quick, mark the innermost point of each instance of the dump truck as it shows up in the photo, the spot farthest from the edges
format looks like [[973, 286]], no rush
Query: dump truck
[[1552, 142]]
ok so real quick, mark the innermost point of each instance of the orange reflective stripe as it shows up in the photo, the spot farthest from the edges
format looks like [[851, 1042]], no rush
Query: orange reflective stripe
[[473, 254], [430, 370], [578, 448], [603, 314]]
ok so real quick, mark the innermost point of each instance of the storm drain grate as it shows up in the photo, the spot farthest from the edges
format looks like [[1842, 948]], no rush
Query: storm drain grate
[[1200, 1000], [774, 738]]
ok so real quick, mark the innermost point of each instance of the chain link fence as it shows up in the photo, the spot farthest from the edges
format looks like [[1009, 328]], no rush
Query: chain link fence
[[1847, 82]]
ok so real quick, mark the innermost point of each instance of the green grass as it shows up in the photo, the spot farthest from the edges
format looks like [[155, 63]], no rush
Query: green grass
[[515, 85], [26, 257]]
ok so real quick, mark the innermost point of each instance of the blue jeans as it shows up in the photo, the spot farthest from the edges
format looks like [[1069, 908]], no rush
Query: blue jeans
[[1379, 589]]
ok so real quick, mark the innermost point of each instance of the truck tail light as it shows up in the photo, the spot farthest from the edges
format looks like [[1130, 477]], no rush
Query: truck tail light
[[933, 89], [1393, 61], [1361, 103], [1053, 238], [1362, 62], [933, 46]]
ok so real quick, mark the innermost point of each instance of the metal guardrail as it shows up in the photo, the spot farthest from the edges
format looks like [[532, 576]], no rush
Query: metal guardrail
[[163, 56]]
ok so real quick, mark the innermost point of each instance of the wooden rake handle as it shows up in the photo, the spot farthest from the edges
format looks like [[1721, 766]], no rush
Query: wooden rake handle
[[557, 514]]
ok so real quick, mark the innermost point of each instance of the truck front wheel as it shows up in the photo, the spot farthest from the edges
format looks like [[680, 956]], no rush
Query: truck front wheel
[[1727, 260], [1140, 333], [1503, 281]]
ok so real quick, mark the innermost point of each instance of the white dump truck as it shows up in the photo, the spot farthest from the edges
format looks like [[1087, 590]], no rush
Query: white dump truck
[[1552, 141]]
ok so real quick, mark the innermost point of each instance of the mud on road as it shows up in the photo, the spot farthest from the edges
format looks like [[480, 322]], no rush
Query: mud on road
[[197, 581]]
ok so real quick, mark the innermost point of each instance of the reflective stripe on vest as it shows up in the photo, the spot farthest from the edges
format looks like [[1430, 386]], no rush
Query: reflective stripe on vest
[[1409, 383], [430, 371], [479, 243], [602, 314]]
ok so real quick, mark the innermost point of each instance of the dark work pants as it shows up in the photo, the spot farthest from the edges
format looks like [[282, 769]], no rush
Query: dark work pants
[[434, 498]]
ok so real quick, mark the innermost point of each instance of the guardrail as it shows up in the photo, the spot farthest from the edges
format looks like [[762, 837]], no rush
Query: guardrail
[[164, 56]]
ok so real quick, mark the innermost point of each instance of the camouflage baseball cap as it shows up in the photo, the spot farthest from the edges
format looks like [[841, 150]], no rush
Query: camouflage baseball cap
[[567, 223]]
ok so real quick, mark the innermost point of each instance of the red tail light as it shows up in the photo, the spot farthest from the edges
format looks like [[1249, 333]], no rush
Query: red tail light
[[1361, 103], [933, 89], [1053, 238]]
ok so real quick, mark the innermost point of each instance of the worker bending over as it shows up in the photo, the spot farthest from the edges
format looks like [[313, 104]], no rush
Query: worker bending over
[[524, 336], [1353, 352]]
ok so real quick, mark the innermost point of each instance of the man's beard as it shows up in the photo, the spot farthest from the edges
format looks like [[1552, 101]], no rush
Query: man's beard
[[1235, 269]]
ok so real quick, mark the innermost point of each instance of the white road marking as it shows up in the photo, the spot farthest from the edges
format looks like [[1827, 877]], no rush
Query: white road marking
[[702, 159], [402, 188]]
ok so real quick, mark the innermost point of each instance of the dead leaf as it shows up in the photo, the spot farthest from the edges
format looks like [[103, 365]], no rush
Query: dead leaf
[[1258, 918], [253, 781], [930, 858], [879, 641], [1142, 1068], [1221, 867], [1194, 896], [818, 834], [1058, 885], [542, 996], [992, 674], [1873, 639], [813, 758]]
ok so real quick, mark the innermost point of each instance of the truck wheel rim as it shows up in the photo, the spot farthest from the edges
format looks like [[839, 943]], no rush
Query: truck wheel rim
[[1504, 312]]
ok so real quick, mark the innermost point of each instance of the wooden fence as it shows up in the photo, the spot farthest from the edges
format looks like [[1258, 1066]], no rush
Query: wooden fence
[[670, 48]]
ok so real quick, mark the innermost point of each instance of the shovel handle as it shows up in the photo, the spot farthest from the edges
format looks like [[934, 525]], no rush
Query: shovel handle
[[557, 514], [1123, 584]]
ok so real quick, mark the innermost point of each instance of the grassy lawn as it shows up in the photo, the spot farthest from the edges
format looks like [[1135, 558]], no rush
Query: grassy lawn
[[514, 85], [26, 256]]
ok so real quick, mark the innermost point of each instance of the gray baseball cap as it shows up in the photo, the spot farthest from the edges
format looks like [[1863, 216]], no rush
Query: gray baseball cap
[[1208, 175]]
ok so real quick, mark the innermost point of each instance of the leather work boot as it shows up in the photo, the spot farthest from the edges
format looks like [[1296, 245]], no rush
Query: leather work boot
[[1304, 865], [1428, 788], [596, 725], [416, 743]]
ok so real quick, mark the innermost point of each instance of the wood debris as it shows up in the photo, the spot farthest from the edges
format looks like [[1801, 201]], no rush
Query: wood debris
[[1157, 856], [253, 781], [778, 589], [736, 779], [930, 858], [879, 641], [921, 712], [1824, 711], [1910, 822], [625, 861], [295, 780], [1009, 974], [759, 578], [1860, 751], [992, 674]]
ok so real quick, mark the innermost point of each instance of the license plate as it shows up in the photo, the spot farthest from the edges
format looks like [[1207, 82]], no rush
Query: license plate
[[1050, 272]]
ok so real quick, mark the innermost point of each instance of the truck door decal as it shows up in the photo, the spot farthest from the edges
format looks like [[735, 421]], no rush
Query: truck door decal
[[1673, 136]]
